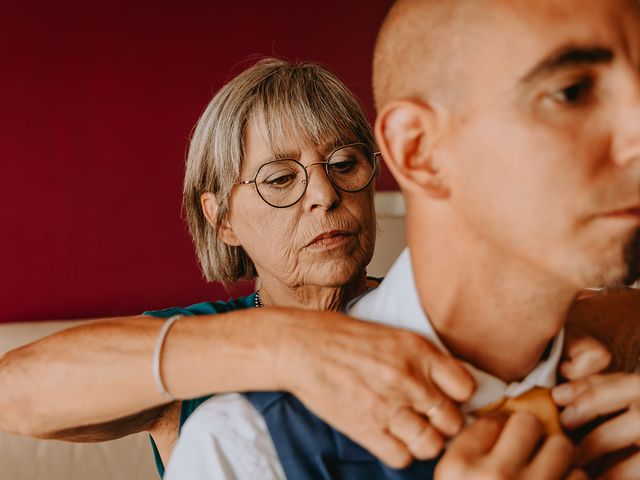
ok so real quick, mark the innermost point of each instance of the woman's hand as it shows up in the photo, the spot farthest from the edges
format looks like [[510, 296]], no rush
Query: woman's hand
[[494, 447], [389, 390], [582, 356], [588, 399]]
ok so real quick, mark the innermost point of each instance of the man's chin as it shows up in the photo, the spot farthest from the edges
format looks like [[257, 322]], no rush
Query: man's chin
[[624, 271], [621, 269]]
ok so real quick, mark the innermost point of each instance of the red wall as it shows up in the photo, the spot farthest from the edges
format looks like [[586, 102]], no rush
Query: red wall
[[96, 104]]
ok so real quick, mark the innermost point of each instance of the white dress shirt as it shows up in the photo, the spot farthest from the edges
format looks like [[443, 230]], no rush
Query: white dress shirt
[[226, 438]]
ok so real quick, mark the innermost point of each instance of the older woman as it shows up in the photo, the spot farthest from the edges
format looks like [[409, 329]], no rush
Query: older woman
[[279, 185]]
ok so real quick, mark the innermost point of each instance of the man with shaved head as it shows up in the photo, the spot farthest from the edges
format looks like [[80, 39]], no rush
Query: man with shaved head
[[513, 130]]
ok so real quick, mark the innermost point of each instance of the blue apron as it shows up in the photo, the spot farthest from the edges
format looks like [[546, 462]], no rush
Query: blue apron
[[309, 449]]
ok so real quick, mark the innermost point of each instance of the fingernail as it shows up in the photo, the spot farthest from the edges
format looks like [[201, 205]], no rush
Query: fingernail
[[568, 416], [562, 393]]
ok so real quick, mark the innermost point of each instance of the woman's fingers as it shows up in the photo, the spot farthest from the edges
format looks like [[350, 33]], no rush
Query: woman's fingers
[[450, 376], [519, 438], [445, 381], [464, 455], [479, 438], [446, 417], [416, 433], [598, 395], [554, 459], [566, 393], [428, 381], [615, 434], [625, 470], [493, 447], [386, 447], [428, 400], [577, 474], [583, 356]]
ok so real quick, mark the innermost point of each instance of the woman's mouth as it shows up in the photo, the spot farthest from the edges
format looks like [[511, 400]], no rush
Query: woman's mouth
[[330, 239]]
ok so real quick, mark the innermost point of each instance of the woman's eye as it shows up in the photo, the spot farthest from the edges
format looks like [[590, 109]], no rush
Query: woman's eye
[[342, 166], [279, 180], [575, 93]]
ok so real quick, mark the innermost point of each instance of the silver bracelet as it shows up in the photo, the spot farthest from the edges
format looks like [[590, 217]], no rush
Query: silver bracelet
[[157, 354]]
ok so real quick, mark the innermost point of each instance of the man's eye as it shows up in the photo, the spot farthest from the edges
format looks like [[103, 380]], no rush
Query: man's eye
[[575, 93]]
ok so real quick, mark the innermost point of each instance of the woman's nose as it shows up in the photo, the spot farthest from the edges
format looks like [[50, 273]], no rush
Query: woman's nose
[[320, 191]]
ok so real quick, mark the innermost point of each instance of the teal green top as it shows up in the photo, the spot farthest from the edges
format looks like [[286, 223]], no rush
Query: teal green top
[[205, 308]]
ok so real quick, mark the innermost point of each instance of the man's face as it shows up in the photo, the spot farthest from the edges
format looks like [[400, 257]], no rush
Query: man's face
[[545, 149]]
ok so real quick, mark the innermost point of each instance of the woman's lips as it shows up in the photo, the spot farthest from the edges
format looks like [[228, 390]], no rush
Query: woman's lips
[[329, 239]]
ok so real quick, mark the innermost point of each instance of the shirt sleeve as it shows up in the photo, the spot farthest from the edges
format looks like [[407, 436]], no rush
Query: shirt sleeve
[[225, 438]]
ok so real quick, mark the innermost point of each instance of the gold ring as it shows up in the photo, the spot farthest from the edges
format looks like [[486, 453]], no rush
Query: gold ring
[[433, 410]]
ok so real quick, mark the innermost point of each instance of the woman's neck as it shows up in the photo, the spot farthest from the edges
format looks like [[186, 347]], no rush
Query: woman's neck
[[311, 297]]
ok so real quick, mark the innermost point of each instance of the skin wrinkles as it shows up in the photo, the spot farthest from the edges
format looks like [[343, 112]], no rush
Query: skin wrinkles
[[287, 262]]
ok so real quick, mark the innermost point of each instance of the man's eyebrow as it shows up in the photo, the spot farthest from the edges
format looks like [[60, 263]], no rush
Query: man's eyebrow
[[568, 57]]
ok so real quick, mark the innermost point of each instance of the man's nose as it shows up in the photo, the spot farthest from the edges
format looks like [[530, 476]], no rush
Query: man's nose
[[320, 191], [626, 141]]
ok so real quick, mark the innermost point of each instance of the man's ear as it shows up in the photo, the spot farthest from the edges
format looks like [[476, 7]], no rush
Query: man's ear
[[210, 208], [406, 132]]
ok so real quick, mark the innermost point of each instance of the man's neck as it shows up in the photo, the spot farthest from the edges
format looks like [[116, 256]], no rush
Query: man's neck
[[496, 315]]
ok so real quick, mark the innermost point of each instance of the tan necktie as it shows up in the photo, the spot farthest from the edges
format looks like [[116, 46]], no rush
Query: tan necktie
[[536, 401]]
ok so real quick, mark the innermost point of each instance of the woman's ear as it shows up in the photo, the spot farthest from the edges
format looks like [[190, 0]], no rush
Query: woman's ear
[[210, 208], [406, 132]]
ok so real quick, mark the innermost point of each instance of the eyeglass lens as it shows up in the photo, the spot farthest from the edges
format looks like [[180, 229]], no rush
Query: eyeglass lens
[[283, 182]]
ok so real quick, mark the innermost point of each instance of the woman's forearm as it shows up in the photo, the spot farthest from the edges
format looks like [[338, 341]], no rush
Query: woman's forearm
[[101, 371], [353, 374]]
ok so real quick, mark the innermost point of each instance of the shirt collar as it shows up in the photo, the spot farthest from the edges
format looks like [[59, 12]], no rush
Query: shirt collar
[[395, 302]]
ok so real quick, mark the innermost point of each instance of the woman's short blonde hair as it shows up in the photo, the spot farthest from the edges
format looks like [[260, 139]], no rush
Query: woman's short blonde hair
[[300, 102]]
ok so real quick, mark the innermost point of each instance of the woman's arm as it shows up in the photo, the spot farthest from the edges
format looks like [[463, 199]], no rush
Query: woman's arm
[[101, 371], [356, 375]]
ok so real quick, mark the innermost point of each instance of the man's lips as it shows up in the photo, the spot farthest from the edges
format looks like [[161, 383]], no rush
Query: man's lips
[[632, 212], [328, 238]]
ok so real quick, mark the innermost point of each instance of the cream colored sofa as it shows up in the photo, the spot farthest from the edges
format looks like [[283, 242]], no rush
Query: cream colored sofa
[[23, 458]]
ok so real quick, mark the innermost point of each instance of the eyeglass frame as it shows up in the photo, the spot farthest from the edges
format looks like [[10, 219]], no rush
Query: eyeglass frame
[[375, 155]]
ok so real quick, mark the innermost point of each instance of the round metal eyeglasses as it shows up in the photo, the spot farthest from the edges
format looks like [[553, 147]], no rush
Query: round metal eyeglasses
[[282, 183]]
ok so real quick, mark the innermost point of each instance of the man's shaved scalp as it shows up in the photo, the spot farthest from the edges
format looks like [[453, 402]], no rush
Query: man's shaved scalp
[[419, 48]]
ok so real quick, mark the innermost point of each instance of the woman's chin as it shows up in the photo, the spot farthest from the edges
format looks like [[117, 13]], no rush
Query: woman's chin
[[337, 273]]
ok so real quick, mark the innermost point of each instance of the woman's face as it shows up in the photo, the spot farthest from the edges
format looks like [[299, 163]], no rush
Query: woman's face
[[326, 239]]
